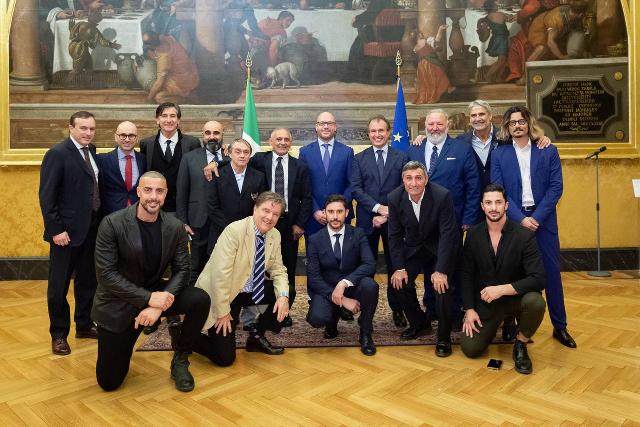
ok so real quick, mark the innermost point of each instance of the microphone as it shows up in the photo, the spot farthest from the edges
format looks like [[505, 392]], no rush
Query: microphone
[[595, 153]]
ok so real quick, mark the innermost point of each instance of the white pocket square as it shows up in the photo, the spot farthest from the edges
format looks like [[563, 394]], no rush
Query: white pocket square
[[451, 158]]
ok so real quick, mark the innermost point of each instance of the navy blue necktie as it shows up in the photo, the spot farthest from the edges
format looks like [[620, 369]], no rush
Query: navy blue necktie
[[257, 294], [380, 163], [433, 160], [337, 251]]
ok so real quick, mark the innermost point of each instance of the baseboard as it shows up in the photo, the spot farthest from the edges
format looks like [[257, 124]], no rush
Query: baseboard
[[37, 268]]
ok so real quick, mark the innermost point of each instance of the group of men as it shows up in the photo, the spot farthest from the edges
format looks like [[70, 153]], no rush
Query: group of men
[[245, 214]]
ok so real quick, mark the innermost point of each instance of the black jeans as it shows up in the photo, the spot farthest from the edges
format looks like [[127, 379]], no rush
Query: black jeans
[[115, 348], [374, 239]]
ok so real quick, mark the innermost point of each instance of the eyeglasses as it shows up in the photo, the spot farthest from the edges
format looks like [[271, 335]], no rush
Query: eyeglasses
[[323, 124], [520, 122], [125, 136]]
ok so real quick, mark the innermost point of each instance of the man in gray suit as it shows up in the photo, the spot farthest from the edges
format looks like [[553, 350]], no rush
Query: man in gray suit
[[191, 193]]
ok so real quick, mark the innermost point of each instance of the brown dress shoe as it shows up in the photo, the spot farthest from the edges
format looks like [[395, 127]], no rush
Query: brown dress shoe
[[91, 332], [60, 346]]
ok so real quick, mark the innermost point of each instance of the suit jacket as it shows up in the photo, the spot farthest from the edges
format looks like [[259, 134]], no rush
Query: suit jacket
[[119, 256], [546, 182], [298, 186], [323, 270], [368, 190], [187, 143], [226, 204], [231, 264], [113, 192], [436, 232], [517, 262], [456, 170], [336, 181], [66, 192], [192, 188]]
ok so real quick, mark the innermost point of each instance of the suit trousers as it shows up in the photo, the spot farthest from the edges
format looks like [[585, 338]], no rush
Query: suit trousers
[[289, 250], [323, 312], [374, 240], [528, 308], [65, 261], [199, 257], [409, 299], [221, 349], [115, 348]]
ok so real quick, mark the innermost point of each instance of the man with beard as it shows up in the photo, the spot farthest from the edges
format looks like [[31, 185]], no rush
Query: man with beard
[[532, 179], [502, 276], [191, 193], [134, 247]]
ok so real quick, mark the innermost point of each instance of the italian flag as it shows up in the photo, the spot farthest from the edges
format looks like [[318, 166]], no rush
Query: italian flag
[[250, 130]]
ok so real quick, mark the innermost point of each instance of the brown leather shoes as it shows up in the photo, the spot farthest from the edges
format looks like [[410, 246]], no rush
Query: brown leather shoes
[[60, 346], [91, 332]]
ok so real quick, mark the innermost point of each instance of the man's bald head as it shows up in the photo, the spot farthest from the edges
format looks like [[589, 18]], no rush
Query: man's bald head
[[326, 126], [213, 131], [126, 136]]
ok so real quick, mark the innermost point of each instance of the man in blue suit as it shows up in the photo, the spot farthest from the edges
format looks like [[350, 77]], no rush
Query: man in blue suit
[[451, 164], [339, 274], [532, 179], [120, 170], [376, 172], [329, 163]]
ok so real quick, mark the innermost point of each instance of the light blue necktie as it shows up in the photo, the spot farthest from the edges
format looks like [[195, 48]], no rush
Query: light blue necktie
[[326, 157]]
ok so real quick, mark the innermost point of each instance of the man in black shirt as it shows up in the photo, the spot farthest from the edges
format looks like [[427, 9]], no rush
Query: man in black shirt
[[134, 247]]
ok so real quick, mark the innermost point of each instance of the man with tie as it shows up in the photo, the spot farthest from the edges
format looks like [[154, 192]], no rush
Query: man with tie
[[245, 269], [340, 269], [532, 179], [423, 237], [502, 275], [329, 162], [120, 170], [288, 177], [376, 172], [192, 190], [70, 201]]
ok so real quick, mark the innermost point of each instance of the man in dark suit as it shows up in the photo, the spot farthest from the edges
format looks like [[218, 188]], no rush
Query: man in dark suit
[[502, 275], [329, 163], [423, 238], [340, 267], [120, 170], [288, 177], [164, 150], [70, 200], [192, 190], [134, 247], [533, 180], [376, 172]]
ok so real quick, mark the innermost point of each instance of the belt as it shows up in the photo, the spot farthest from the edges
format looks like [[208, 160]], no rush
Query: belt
[[528, 208]]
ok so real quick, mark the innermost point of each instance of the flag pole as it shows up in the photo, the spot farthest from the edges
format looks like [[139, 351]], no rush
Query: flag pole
[[249, 62], [398, 64]]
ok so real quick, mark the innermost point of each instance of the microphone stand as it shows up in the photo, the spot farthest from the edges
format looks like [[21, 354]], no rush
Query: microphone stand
[[599, 272]]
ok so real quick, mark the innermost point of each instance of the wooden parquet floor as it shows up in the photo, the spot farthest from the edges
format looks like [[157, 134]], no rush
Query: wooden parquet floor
[[597, 384]]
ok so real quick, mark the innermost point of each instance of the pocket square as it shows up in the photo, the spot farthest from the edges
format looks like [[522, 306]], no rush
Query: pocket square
[[451, 158]]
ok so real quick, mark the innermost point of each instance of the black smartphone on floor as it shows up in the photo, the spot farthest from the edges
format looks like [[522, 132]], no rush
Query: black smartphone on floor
[[494, 364]]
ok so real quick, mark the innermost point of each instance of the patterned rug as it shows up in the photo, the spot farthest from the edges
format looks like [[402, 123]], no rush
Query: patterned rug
[[301, 334]]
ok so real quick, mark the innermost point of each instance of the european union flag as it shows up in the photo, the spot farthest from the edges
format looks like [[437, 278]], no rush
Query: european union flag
[[400, 134]]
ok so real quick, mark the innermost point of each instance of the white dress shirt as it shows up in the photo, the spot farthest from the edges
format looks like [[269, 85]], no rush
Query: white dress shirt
[[163, 142], [333, 242], [94, 165], [285, 167], [385, 152], [482, 148], [428, 152], [524, 161], [416, 206], [239, 177], [330, 142], [122, 162]]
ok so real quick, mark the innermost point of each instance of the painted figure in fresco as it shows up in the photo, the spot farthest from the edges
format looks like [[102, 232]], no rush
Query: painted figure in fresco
[[494, 25], [276, 30], [431, 77], [549, 30], [163, 21], [177, 76], [83, 37]]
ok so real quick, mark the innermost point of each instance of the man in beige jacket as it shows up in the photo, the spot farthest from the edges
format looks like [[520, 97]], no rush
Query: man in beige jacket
[[245, 269]]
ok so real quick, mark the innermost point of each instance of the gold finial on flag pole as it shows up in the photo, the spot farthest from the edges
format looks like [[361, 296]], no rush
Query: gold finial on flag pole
[[249, 62], [398, 64]]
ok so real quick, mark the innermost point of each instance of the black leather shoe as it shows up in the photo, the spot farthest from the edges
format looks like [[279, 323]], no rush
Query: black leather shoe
[[90, 332], [346, 315], [175, 329], [399, 320], [509, 330], [565, 339], [367, 347], [151, 328], [521, 358], [180, 372], [443, 348], [413, 332], [330, 332], [262, 344], [60, 346], [287, 322]]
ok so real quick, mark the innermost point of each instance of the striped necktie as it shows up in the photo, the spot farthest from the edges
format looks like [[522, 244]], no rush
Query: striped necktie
[[257, 294]]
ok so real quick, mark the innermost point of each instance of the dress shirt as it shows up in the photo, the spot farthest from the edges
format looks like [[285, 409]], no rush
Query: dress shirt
[[285, 167], [524, 161], [330, 142], [416, 206], [210, 156], [429, 151], [481, 147], [385, 153], [239, 177], [122, 162], [248, 287], [332, 240], [94, 165], [163, 142]]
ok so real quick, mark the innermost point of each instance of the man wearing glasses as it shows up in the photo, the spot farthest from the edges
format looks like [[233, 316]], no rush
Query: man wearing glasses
[[120, 170]]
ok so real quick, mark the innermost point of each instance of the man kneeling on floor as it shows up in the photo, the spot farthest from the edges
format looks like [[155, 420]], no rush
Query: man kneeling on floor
[[502, 276], [245, 269], [340, 267], [134, 247]]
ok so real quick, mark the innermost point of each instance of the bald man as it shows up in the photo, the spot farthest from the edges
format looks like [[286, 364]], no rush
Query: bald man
[[192, 189], [120, 170]]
